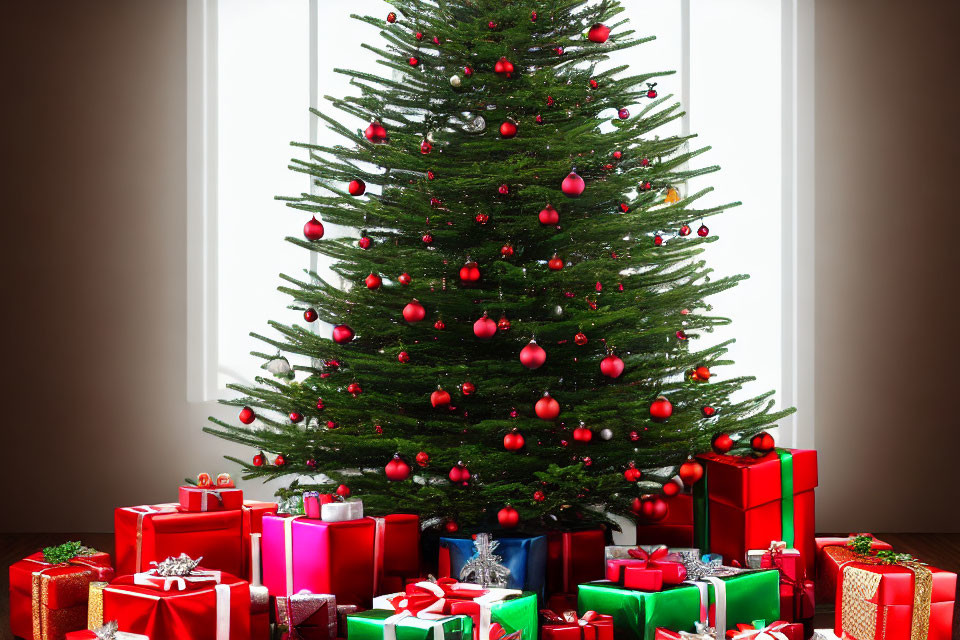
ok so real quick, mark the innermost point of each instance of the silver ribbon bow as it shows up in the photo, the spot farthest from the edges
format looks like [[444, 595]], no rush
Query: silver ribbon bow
[[178, 567], [710, 564]]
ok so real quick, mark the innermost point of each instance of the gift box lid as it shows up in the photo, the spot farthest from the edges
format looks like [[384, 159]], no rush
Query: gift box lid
[[896, 585], [745, 482], [217, 498], [175, 519], [836, 541]]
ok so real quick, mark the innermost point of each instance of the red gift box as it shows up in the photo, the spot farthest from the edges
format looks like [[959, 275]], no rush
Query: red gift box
[[308, 616], [47, 600], [215, 607], [796, 592], [901, 601], [86, 634], [567, 626], [320, 557], [744, 503], [151, 533], [312, 501], [797, 603], [828, 567], [210, 498], [675, 530], [646, 571], [396, 551], [259, 612], [574, 557]]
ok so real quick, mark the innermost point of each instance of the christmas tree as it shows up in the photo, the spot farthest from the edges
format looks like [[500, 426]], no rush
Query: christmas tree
[[514, 335]]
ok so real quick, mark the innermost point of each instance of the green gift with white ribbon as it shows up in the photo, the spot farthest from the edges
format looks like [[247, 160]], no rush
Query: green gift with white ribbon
[[381, 624]]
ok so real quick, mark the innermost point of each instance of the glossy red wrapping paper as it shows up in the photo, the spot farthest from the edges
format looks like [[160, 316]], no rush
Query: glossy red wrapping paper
[[210, 498], [827, 567], [676, 530], [574, 557]]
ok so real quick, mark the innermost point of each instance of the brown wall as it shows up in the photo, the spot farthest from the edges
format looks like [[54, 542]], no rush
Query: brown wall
[[886, 264], [94, 267]]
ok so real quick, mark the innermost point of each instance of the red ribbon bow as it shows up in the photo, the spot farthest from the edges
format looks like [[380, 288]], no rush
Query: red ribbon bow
[[426, 596], [568, 617], [650, 558]]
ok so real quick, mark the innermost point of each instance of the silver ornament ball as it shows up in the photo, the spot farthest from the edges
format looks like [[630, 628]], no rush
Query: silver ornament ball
[[455, 81], [606, 434]]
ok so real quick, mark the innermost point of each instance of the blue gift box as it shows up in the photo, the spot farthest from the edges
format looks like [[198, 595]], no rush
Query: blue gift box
[[524, 557]]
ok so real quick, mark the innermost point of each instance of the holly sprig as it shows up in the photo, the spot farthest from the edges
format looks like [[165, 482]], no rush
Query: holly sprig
[[66, 552], [892, 557], [861, 544]]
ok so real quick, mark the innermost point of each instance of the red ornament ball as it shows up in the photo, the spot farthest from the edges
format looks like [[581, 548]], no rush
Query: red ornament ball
[[295, 417], [508, 517], [617, 155], [470, 272], [484, 328], [397, 469], [354, 389], [439, 326], [598, 33], [279, 460], [701, 373], [468, 388], [547, 408], [623, 113], [549, 215], [722, 443], [439, 398], [414, 312], [259, 460], [467, 71], [654, 509], [482, 218], [508, 129], [651, 93], [491, 25], [310, 315], [404, 279], [533, 355], [426, 147], [635, 505], [538, 496], [506, 250], [661, 409], [555, 263], [503, 324], [632, 474], [582, 434], [376, 133], [708, 411], [356, 187], [373, 281], [364, 242], [459, 474], [313, 230], [580, 338], [690, 472], [503, 67], [413, 61], [320, 405], [423, 458], [450, 526], [391, 17], [343, 491], [672, 488], [533, 16], [419, 36], [342, 334], [430, 175], [762, 442], [247, 415], [658, 240], [645, 186], [573, 185], [611, 366], [403, 357], [504, 189], [685, 230], [513, 441], [703, 231]]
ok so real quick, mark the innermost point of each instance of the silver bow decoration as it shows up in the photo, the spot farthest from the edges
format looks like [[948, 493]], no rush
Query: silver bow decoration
[[710, 564], [107, 632], [178, 567], [484, 568]]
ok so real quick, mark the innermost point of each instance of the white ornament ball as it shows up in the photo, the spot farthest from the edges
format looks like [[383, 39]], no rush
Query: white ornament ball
[[606, 434], [279, 367], [455, 81]]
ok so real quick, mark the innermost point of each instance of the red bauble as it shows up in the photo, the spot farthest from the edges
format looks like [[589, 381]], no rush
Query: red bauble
[[654, 509], [373, 281], [482, 218], [247, 415], [259, 460], [467, 71], [582, 434], [295, 417], [491, 25], [580, 338], [623, 113], [439, 398], [451, 527], [414, 312], [533, 16], [513, 441], [343, 491], [532, 356], [364, 242], [722, 443], [593, 84], [503, 324], [426, 147], [470, 272], [508, 129], [320, 404], [397, 469], [404, 279], [573, 185], [651, 93], [672, 488], [617, 155], [427, 238], [703, 231], [430, 175], [503, 67], [439, 326], [685, 230], [468, 388], [635, 505], [313, 230], [645, 186], [702, 373], [356, 187], [459, 474], [484, 328], [555, 263], [549, 215], [504, 189], [539, 119], [391, 17], [661, 409], [598, 33], [279, 460], [354, 389], [632, 474], [539, 496], [419, 36], [342, 334], [423, 458], [657, 240], [645, 162], [376, 133], [310, 315], [506, 250], [508, 517], [611, 366], [412, 61], [403, 357], [547, 408], [690, 472], [708, 411], [624, 207], [762, 442]]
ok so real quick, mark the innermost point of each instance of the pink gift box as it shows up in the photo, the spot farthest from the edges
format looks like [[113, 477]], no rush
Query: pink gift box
[[320, 557], [210, 498]]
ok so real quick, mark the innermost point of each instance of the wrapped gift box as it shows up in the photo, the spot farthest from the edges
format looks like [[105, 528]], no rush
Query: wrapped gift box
[[303, 554], [87, 634], [313, 500], [574, 557], [151, 533], [784, 630], [902, 601], [560, 602], [828, 568], [380, 624], [48, 600], [396, 551], [217, 608], [311, 616], [796, 592], [210, 498], [568, 626], [745, 503], [748, 596], [524, 557], [676, 530], [647, 570]]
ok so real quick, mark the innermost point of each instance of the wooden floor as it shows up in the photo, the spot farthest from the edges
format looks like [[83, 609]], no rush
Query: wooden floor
[[938, 549]]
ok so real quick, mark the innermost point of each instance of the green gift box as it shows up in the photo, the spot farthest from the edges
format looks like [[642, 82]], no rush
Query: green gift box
[[751, 595], [380, 624]]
